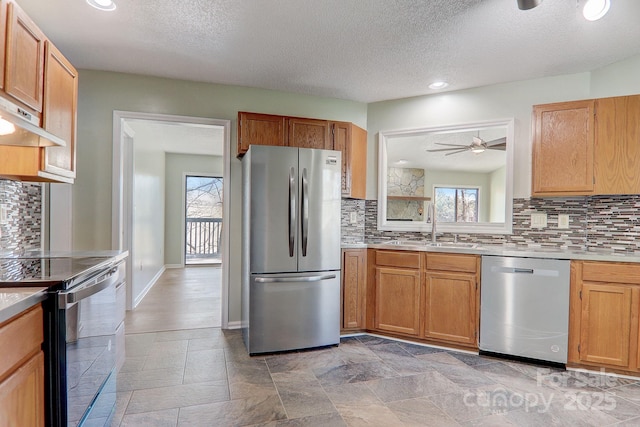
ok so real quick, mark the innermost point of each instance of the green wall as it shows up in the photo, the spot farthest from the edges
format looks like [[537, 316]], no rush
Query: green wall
[[100, 93]]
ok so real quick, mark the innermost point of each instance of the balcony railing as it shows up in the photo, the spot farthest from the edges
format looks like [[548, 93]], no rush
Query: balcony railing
[[203, 238]]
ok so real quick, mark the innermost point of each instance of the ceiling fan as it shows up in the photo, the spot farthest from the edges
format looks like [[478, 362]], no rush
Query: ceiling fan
[[478, 145]]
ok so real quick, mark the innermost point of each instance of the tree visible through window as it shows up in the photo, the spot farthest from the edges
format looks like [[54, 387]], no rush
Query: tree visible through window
[[203, 219], [456, 204]]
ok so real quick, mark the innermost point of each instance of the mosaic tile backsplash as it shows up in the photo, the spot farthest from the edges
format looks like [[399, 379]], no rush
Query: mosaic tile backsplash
[[21, 229], [605, 222]]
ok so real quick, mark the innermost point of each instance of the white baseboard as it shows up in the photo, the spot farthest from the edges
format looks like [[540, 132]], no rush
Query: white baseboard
[[173, 266], [234, 325], [148, 287]]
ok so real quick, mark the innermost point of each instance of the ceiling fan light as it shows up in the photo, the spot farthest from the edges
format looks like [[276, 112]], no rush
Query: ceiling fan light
[[105, 5], [477, 150], [595, 9], [528, 4]]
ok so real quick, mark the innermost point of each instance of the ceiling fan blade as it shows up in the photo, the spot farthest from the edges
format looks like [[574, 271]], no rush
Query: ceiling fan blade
[[499, 141], [456, 152], [448, 145], [501, 147], [460, 148]]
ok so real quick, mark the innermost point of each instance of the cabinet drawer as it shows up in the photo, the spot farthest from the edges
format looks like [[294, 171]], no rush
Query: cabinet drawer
[[452, 262], [398, 259], [20, 337], [611, 272]]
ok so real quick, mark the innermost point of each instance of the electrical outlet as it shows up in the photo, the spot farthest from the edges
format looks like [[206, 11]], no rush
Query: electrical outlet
[[353, 217], [538, 220], [563, 221]]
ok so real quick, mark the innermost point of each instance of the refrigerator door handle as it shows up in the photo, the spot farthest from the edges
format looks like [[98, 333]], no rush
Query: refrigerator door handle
[[305, 211], [292, 211], [294, 279]]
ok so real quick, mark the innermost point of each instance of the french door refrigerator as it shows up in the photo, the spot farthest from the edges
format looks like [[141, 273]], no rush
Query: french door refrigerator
[[290, 248]]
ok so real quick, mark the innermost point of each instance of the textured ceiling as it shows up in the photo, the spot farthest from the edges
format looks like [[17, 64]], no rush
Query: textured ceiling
[[362, 50]]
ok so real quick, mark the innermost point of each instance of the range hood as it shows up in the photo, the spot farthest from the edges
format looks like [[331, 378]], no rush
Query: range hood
[[19, 127]]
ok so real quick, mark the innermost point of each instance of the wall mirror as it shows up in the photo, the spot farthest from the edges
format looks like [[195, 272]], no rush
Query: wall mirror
[[465, 171]]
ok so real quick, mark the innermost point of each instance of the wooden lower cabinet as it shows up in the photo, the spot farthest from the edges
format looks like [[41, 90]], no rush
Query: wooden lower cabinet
[[397, 300], [428, 296], [452, 298], [22, 370], [354, 282], [22, 395], [450, 311], [604, 323]]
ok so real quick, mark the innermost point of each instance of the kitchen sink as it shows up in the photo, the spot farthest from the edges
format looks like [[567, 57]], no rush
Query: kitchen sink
[[462, 245], [403, 243]]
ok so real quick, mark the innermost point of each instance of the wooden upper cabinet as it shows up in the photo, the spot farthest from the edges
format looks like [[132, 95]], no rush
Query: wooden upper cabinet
[[563, 148], [24, 67], [260, 129], [3, 38], [351, 141], [617, 145], [59, 113], [308, 133]]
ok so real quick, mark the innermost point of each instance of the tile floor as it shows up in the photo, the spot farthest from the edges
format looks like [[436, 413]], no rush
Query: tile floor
[[204, 377]]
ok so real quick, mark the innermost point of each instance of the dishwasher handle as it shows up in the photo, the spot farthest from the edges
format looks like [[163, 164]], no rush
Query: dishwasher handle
[[517, 270]]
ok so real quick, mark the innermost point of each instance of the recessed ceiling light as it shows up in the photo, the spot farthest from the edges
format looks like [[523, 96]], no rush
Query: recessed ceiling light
[[595, 9], [106, 5], [402, 162], [438, 85]]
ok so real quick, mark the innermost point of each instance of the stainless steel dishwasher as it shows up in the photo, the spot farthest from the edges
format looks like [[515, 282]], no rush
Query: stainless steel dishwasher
[[524, 307]]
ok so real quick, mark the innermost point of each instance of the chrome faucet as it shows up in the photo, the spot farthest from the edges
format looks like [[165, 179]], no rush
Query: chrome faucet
[[432, 216]]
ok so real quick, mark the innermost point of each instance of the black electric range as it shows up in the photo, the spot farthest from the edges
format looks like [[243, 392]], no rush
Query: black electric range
[[61, 271], [83, 329]]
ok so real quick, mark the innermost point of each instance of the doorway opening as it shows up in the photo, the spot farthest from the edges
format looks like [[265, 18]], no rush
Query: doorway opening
[[203, 220], [152, 153]]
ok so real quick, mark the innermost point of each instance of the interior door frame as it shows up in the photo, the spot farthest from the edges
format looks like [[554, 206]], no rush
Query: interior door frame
[[120, 227]]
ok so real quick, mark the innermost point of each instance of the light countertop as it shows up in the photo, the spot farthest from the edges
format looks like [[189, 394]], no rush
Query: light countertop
[[503, 250], [14, 301]]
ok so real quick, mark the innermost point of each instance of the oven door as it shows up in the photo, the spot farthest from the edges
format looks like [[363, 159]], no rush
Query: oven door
[[89, 317]]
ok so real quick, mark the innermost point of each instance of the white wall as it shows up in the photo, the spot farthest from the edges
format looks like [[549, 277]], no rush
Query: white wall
[[100, 93], [472, 105], [177, 165], [496, 102], [148, 219], [497, 189]]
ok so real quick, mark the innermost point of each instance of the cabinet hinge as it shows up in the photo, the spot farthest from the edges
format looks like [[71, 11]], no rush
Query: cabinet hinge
[[333, 130], [578, 348], [580, 294]]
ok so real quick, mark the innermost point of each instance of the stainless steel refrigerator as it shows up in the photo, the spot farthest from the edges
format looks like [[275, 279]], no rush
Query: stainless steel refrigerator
[[290, 248]]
